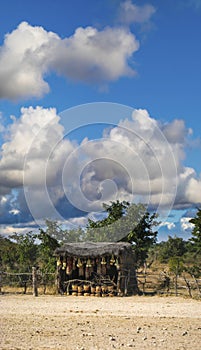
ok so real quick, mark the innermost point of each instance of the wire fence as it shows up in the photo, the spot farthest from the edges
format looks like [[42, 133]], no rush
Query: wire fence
[[149, 283], [163, 283], [23, 282]]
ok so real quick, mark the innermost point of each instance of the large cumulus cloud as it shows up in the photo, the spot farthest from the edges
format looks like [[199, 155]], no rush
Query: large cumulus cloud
[[31, 141], [150, 155], [43, 174], [29, 53]]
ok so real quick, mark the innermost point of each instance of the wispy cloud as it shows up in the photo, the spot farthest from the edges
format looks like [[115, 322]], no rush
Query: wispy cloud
[[132, 13], [195, 4]]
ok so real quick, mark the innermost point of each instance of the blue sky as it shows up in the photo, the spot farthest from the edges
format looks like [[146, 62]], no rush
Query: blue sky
[[143, 60]]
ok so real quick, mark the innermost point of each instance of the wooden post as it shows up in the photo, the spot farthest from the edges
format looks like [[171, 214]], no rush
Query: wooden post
[[188, 286], [59, 280], [119, 283], [34, 281], [176, 278], [0, 282], [127, 279]]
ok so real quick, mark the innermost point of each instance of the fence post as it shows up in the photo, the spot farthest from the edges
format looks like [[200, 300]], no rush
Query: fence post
[[34, 281]]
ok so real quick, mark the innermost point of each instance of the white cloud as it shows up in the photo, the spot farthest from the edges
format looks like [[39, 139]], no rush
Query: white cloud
[[169, 225], [11, 229], [95, 56], [140, 161], [14, 212], [33, 145], [89, 55], [132, 13], [176, 131], [193, 190], [3, 200], [132, 161], [81, 221], [185, 224], [23, 62]]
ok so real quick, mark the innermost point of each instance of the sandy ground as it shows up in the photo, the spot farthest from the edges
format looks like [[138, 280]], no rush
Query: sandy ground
[[90, 323]]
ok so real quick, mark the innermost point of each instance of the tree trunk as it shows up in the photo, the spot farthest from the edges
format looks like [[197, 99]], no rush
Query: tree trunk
[[197, 285], [188, 286]]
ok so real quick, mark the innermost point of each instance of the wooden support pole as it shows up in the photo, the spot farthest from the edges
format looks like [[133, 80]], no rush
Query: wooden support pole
[[34, 281], [119, 283], [127, 280]]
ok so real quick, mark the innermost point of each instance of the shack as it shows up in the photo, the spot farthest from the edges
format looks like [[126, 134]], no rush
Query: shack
[[96, 269]]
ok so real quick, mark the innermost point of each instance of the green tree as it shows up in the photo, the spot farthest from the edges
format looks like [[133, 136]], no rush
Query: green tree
[[196, 233], [126, 222], [177, 267], [46, 260], [8, 254], [46, 248], [195, 272], [114, 211], [142, 235], [26, 251], [174, 246], [73, 235], [55, 230], [111, 227]]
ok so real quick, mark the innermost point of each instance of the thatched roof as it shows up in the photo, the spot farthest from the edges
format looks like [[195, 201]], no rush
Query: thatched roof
[[91, 249]]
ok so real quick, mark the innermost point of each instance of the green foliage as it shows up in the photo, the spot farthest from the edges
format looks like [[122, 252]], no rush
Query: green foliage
[[55, 231], [111, 227], [194, 270], [20, 252], [174, 246], [46, 248], [73, 235], [176, 265], [115, 211], [196, 233], [130, 221], [141, 236], [26, 250], [8, 254]]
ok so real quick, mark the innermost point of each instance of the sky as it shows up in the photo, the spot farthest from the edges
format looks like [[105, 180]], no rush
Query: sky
[[99, 101]]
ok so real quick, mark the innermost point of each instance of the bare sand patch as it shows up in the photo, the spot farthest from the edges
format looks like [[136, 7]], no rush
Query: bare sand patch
[[90, 323]]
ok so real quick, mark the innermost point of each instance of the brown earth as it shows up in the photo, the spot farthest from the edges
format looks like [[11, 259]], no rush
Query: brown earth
[[90, 323]]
